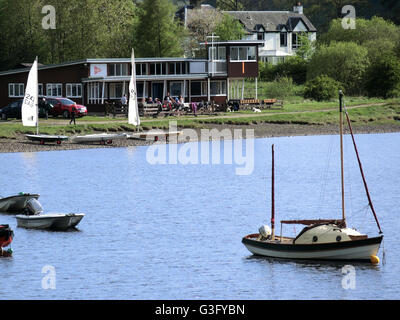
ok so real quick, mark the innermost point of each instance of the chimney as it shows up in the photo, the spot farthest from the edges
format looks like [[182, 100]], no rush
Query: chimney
[[298, 8]]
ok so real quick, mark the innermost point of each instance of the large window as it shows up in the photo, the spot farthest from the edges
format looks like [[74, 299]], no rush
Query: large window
[[141, 69], [217, 53], [198, 88], [243, 54], [176, 88], [218, 88], [16, 90], [74, 90], [118, 69], [54, 89], [177, 68], [158, 68], [116, 90]]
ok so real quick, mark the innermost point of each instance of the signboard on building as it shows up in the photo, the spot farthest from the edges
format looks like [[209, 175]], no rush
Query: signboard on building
[[98, 70]]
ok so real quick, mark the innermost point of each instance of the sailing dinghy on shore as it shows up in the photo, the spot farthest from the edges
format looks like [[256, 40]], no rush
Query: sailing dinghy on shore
[[30, 109]]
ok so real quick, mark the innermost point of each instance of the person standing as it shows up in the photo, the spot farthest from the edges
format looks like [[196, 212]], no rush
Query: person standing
[[73, 114]]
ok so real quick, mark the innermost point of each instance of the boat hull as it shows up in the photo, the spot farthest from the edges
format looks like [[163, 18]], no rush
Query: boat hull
[[16, 203], [360, 250], [102, 138], [49, 221], [42, 138]]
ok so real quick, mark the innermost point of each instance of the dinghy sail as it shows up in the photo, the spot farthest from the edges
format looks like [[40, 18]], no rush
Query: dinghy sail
[[133, 114], [29, 107]]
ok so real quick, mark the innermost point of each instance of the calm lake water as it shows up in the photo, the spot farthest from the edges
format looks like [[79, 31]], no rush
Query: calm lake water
[[174, 231]]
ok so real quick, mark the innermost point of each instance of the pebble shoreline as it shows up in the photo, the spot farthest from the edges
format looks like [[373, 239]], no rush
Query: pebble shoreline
[[21, 144]]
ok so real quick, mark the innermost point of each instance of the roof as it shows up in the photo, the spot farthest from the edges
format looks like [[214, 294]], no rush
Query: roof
[[271, 21], [101, 61]]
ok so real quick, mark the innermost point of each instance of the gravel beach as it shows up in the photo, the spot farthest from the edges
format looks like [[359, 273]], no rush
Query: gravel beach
[[21, 144]]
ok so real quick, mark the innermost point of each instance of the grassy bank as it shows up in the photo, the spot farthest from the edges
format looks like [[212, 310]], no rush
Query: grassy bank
[[368, 111]]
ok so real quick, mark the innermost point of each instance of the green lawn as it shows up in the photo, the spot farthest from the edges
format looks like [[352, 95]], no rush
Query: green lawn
[[304, 112]]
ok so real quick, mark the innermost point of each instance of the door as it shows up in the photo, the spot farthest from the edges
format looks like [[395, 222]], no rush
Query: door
[[157, 90]]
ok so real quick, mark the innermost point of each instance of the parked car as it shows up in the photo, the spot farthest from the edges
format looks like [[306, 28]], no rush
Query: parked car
[[63, 107], [13, 110]]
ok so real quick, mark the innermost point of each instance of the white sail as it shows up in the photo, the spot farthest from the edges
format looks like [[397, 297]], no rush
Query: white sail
[[133, 104], [29, 107]]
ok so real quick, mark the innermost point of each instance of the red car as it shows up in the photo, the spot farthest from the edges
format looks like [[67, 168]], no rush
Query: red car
[[64, 106]]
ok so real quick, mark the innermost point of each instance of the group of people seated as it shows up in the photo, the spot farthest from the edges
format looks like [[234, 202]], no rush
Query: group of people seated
[[168, 103]]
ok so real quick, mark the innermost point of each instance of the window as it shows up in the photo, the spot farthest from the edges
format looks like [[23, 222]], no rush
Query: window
[[176, 89], [198, 88], [218, 88], [116, 90], [260, 36], [54, 89], [74, 90], [295, 41], [118, 69], [283, 37], [243, 54], [217, 53], [141, 69], [40, 90], [177, 68], [16, 90], [158, 68]]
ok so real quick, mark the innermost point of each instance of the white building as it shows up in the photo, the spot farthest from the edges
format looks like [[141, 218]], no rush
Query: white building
[[278, 29]]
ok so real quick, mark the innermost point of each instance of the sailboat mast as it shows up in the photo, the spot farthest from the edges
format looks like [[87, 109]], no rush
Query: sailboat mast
[[37, 98], [341, 155], [273, 196]]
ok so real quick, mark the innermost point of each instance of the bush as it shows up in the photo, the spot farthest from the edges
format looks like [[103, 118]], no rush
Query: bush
[[282, 87], [383, 78], [345, 62], [293, 67], [321, 88]]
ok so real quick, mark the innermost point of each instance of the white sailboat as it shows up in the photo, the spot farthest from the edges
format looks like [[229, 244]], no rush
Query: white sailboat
[[328, 239], [30, 108], [133, 113]]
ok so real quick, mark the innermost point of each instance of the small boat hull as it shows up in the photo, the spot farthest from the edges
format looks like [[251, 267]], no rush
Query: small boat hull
[[103, 138], [43, 138], [16, 203], [360, 250], [49, 221]]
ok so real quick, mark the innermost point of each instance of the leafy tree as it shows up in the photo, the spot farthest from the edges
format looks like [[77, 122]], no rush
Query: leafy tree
[[383, 77], [230, 5], [376, 35], [345, 62], [200, 24], [307, 47], [229, 28], [159, 35], [20, 38]]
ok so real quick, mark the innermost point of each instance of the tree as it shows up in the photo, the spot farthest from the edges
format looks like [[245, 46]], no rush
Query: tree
[[383, 77], [20, 38], [376, 35], [230, 5], [345, 62], [200, 24], [159, 35], [229, 28]]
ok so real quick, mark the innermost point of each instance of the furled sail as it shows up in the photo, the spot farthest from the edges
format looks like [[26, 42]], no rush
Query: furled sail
[[133, 104]]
